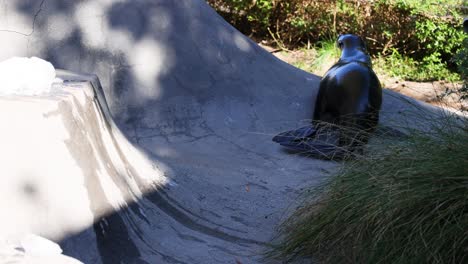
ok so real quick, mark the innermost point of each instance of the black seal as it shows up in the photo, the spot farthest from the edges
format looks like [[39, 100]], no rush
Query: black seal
[[347, 105]]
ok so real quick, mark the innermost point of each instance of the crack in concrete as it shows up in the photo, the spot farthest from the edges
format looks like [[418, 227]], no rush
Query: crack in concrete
[[33, 24]]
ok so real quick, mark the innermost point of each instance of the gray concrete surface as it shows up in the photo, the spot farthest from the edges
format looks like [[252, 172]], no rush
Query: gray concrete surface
[[198, 103]]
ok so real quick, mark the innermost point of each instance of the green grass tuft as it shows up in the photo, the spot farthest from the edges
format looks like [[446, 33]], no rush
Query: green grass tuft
[[327, 55], [404, 202]]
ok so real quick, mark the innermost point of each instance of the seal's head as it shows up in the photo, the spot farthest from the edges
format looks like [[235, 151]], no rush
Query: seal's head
[[352, 48]]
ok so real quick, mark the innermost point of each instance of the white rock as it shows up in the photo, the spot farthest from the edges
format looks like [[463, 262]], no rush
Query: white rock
[[32, 249], [26, 76], [35, 245]]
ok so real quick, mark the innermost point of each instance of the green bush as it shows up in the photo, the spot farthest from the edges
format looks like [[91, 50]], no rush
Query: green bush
[[426, 32], [252, 17], [431, 68]]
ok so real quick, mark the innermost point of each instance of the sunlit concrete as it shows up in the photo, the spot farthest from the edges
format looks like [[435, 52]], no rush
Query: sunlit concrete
[[61, 163]]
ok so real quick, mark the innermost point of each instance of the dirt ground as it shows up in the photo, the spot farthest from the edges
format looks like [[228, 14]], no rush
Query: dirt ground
[[430, 92]]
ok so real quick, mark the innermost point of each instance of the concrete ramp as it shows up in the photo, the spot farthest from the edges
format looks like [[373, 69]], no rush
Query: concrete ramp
[[64, 164], [188, 172]]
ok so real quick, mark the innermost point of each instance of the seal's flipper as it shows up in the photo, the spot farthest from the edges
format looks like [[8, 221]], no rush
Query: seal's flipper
[[308, 145], [316, 149], [310, 141], [291, 136]]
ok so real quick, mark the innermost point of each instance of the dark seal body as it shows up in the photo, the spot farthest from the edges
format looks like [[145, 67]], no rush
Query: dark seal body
[[350, 94], [348, 101]]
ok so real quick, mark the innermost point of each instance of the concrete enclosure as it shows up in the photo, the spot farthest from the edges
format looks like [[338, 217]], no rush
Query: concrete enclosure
[[188, 172]]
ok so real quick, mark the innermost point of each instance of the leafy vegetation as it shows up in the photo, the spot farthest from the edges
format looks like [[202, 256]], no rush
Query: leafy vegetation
[[424, 34], [405, 202], [429, 69]]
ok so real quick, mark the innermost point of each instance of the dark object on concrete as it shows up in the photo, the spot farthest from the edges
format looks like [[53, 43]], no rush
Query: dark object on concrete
[[347, 105]]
